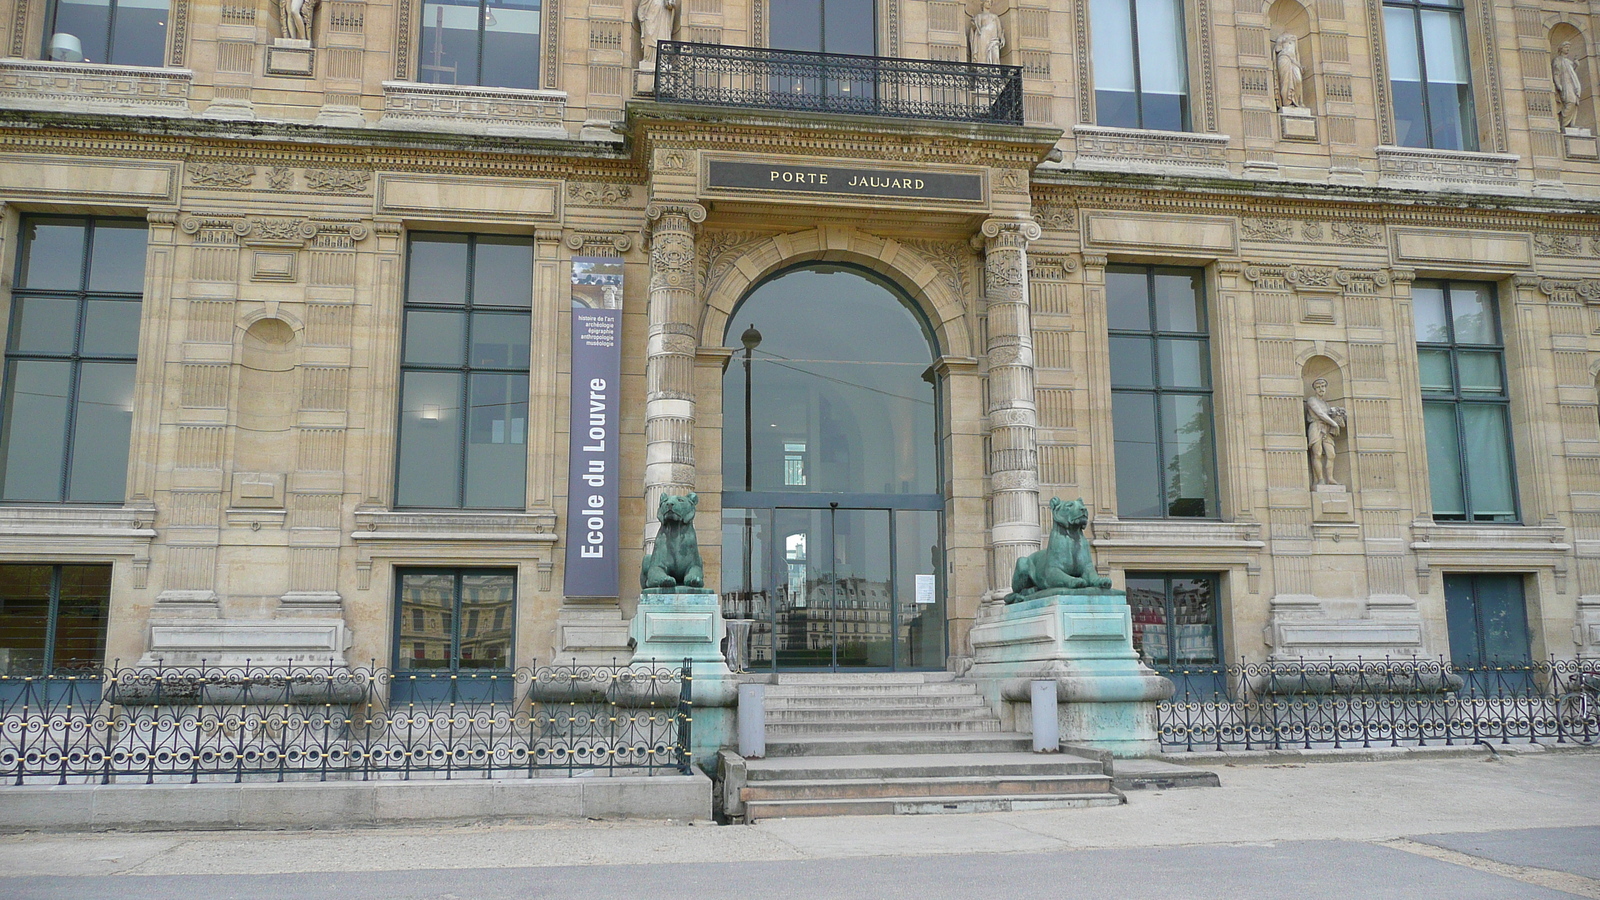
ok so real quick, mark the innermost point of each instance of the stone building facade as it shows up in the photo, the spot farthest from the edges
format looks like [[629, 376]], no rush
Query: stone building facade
[[1133, 315]]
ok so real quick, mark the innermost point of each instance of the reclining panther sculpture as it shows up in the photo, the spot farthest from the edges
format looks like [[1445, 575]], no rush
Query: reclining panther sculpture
[[1065, 561]]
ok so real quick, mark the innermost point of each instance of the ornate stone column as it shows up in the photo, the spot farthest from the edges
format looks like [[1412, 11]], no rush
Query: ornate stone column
[[1013, 416], [669, 355]]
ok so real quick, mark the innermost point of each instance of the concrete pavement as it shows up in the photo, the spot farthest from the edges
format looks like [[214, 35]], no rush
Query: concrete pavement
[[1525, 825]]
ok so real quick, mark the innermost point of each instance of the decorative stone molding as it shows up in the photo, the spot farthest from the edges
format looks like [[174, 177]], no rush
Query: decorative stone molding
[[1157, 152], [79, 532], [1490, 548], [1554, 244], [220, 174], [1256, 228], [1306, 627], [1056, 217], [338, 181], [599, 243], [1447, 169], [1588, 289], [507, 111], [474, 536], [271, 642], [598, 193], [73, 87]]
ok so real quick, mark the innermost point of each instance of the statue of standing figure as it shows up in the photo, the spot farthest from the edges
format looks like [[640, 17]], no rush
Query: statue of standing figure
[[1323, 421], [1291, 75], [297, 16], [1568, 89], [985, 37], [655, 25]]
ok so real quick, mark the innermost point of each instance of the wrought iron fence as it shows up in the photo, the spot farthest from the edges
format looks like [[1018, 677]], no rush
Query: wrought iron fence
[[764, 78], [336, 723], [1312, 704]]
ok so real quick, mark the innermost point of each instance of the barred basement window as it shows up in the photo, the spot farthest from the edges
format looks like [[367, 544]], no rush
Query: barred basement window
[[69, 375]]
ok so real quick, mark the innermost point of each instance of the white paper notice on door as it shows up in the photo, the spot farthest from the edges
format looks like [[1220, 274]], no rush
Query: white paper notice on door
[[925, 589]]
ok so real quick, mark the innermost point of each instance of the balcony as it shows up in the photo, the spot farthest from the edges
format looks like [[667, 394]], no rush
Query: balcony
[[802, 81]]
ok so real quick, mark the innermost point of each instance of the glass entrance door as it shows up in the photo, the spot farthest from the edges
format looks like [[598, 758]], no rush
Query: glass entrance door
[[835, 588]]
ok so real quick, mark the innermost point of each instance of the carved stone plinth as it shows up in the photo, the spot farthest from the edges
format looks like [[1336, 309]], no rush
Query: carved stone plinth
[[1306, 627], [1331, 503], [257, 643], [1295, 123], [644, 82], [287, 57], [1082, 640], [591, 634], [669, 628], [1581, 144]]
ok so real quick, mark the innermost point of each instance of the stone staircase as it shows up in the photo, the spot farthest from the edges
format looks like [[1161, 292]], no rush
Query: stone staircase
[[900, 743]]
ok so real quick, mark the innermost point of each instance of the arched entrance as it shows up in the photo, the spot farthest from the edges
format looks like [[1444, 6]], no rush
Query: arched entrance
[[832, 512]]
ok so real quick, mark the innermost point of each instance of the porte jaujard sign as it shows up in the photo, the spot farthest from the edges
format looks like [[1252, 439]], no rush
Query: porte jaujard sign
[[866, 182], [592, 465]]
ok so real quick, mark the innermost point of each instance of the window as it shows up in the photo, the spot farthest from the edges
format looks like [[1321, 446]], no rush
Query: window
[[1487, 618], [1175, 618], [53, 618], [1461, 363], [1141, 77], [120, 32], [824, 26], [1430, 74], [69, 376], [1161, 392], [448, 596], [493, 43], [464, 372]]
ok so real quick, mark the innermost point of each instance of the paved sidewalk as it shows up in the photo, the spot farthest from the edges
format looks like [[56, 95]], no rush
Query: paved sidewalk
[[1420, 827]]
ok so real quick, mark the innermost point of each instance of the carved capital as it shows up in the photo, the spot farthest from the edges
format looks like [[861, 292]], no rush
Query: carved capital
[[693, 212], [1403, 276], [1027, 229], [1095, 260]]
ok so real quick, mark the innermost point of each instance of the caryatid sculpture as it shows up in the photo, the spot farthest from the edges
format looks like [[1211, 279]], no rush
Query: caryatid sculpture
[[1291, 75], [655, 25], [1323, 421], [297, 16], [1568, 89], [985, 37]]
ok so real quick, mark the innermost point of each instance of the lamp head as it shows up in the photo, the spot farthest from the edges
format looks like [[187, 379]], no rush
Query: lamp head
[[751, 338]]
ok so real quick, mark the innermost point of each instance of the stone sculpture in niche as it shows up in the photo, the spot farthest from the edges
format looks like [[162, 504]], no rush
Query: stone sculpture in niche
[[674, 566], [655, 25], [985, 37], [1065, 563], [1323, 421], [297, 16], [1568, 89], [1291, 75]]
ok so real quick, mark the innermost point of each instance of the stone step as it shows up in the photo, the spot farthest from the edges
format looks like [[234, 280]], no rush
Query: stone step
[[779, 809], [812, 744], [920, 725], [876, 714], [919, 765], [941, 786], [831, 701], [864, 678], [939, 689]]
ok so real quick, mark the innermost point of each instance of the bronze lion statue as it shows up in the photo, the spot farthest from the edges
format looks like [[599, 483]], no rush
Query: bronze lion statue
[[675, 561], [1065, 560]]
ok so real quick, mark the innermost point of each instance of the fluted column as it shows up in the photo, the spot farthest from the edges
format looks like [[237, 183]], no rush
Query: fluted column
[[1013, 417], [669, 355]]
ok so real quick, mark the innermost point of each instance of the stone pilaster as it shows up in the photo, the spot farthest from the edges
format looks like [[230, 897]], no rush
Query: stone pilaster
[[1013, 416], [669, 355]]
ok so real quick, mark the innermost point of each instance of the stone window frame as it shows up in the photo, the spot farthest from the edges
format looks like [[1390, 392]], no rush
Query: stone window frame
[[29, 19], [408, 43], [1488, 98], [1201, 63]]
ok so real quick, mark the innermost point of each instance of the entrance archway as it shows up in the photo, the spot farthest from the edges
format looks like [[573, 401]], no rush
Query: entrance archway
[[832, 512]]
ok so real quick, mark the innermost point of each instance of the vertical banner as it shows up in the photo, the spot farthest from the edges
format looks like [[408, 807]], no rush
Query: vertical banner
[[594, 457]]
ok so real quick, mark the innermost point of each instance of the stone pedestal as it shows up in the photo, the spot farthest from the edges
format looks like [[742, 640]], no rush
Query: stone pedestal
[[258, 644], [669, 628], [290, 57], [644, 82], [1581, 143], [1331, 503], [1295, 123], [1083, 640], [591, 634]]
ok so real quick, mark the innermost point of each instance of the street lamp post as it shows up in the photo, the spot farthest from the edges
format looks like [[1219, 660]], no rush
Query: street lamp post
[[751, 340]]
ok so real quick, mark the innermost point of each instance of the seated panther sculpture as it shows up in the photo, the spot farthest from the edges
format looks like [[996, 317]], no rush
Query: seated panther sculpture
[[675, 561], [1065, 562]]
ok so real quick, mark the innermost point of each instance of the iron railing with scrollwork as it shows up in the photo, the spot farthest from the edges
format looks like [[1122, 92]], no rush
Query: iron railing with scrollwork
[[336, 723], [1312, 704], [799, 80]]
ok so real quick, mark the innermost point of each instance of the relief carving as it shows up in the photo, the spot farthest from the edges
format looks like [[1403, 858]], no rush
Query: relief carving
[[221, 175], [1558, 244], [338, 180], [1267, 229], [1357, 233], [598, 193]]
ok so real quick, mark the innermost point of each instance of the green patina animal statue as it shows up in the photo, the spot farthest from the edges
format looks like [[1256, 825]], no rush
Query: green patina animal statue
[[1064, 563], [675, 562]]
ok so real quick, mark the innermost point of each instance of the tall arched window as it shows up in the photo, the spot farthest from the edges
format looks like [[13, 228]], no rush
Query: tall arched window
[[831, 488]]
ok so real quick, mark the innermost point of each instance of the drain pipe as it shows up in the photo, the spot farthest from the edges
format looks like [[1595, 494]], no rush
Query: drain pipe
[[753, 720], [1046, 727]]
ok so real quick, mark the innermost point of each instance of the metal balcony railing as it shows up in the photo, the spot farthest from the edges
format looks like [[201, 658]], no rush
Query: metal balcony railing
[[762, 78]]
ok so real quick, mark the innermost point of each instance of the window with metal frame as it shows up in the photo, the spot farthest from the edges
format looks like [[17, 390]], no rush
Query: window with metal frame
[[1487, 618], [824, 26], [431, 660], [118, 32], [464, 372], [1141, 77], [489, 43], [70, 357], [1161, 399], [53, 617], [1175, 618], [1465, 408], [1430, 74]]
